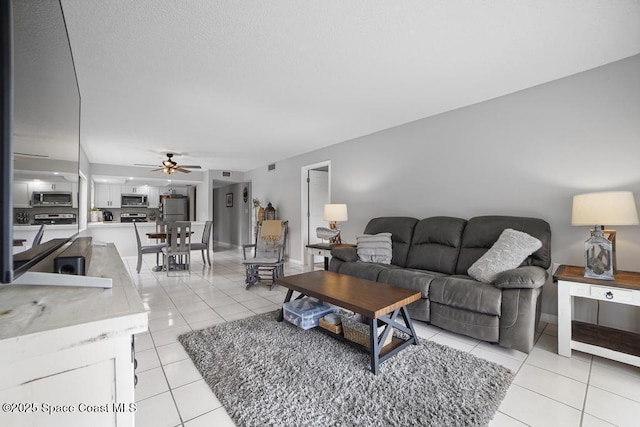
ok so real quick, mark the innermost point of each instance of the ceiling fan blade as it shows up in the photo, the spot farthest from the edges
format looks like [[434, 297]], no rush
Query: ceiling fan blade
[[142, 164], [180, 169], [156, 170], [190, 166]]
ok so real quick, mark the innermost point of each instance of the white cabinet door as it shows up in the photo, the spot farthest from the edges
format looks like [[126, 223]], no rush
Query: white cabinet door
[[107, 196], [134, 189], [21, 194], [52, 186], [153, 197]]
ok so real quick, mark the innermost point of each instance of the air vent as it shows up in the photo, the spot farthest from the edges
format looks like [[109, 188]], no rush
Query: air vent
[[272, 166], [227, 174]]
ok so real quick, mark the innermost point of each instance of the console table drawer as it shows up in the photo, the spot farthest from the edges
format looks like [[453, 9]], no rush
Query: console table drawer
[[611, 294]]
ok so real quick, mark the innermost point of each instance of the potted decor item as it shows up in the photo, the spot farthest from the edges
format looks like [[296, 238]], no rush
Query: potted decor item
[[95, 214]]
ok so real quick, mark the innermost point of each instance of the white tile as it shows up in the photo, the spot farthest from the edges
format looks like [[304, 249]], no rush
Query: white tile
[[164, 323], [201, 315], [568, 366], [206, 323], [502, 420], [534, 409], [172, 353], [147, 359], [169, 336], [563, 389], [236, 316], [217, 418], [143, 341], [617, 378], [506, 352], [258, 302], [591, 421], [612, 407], [181, 373], [510, 363], [230, 309], [195, 399], [150, 383], [451, 342], [157, 411]]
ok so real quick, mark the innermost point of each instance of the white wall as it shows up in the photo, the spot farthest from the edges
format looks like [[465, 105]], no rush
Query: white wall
[[523, 154], [232, 224]]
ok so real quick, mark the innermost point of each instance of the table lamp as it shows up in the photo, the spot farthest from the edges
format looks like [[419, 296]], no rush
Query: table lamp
[[335, 214], [598, 209]]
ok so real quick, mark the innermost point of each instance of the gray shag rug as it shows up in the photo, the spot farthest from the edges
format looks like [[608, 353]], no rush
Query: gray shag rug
[[269, 373]]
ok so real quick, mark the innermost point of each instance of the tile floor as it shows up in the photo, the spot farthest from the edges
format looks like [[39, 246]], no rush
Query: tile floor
[[548, 390]]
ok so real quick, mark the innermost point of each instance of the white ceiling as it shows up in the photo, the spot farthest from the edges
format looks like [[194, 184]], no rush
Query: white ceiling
[[238, 84]]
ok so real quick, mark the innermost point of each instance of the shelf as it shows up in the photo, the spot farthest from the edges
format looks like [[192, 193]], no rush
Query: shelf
[[602, 336]]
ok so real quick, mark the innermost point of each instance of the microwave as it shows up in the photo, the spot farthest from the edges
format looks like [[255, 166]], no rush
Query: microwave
[[133, 200], [52, 198]]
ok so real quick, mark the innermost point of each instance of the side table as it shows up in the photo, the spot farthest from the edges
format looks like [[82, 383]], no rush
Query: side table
[[599, 340], [323, 250]]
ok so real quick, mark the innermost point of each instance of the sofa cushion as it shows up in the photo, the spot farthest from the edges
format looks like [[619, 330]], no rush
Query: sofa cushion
[[364, 270], [436, 243], [507, 253], [410, 279], [483, 231], [528, 277], [466, 293], [401, 229], [374, 248]]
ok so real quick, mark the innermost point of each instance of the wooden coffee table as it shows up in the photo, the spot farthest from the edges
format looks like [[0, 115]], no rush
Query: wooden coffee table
[[378, 302]]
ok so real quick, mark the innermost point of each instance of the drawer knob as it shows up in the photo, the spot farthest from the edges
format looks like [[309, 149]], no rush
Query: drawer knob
[[608, 295]]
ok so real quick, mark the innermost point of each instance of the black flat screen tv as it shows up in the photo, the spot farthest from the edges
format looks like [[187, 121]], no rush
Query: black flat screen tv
[[39, 112]]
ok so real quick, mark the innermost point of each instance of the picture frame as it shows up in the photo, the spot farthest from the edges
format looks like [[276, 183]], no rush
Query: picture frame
[[229, 200]]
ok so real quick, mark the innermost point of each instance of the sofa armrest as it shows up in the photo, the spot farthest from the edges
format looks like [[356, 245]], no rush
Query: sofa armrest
[[528, 277], [345, 253]]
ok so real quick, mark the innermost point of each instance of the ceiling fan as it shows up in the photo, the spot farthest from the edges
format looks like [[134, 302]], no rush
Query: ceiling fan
[[169, 166]]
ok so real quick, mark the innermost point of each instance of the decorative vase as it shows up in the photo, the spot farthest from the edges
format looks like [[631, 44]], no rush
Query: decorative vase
[[270, 212], [94, 216]]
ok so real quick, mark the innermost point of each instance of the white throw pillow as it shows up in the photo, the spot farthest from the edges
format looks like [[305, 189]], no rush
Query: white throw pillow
[[508, 252], [374, 248]]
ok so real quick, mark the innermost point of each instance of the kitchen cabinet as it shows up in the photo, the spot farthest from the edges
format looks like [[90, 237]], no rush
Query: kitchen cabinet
[[21, 194], [107, 196], [154, 197], [135, 189], [52, 186]]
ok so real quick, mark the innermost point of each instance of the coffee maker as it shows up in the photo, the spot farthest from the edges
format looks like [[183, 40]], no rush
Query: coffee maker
[[107, 216]]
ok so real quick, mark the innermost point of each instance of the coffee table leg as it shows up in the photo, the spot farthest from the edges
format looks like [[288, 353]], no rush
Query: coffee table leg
[[409, 323], [375, 347]]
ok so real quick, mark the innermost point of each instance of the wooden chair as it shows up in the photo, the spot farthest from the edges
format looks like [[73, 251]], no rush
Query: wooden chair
[[268, 252], [177, 250], [204, 244], [146, 249]]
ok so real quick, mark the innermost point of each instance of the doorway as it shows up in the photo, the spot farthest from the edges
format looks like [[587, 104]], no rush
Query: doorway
[[316, 192]]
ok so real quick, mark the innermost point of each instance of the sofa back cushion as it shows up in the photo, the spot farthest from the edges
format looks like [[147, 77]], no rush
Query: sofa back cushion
[[482, 232], [436, 244], [401, 229]]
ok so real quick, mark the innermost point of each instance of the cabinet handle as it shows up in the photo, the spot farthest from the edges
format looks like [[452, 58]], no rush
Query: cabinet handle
[[608, 295]]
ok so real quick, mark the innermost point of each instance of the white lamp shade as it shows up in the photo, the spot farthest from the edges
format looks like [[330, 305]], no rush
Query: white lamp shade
[[604, 208], [335, 213]]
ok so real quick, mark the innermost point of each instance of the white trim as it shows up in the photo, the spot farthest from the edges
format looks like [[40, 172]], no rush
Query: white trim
[[304, 220]]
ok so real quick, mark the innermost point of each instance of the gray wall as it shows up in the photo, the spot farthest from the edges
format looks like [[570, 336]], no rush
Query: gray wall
[[525, 153]]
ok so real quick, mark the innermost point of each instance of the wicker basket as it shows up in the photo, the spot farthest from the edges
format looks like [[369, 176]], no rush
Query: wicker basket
[[336, 329], [359, 332]]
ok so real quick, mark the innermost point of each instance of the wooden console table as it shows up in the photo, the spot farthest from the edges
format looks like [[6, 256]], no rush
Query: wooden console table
[[599, 340]]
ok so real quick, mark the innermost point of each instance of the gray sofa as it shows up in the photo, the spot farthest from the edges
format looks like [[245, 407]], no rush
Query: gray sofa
[[432, 256]]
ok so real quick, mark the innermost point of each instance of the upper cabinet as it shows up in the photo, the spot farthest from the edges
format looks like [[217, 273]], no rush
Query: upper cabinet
[[52, 186], [135, 189], [21, 194], [107, 196]]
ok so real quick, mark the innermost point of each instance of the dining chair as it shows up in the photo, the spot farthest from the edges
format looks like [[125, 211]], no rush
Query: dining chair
[[38, 238], [146, 249], [203, 246], [268, 252], [177, 249]]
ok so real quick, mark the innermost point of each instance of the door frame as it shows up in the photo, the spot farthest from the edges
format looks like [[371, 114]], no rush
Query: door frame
[[304, 203]]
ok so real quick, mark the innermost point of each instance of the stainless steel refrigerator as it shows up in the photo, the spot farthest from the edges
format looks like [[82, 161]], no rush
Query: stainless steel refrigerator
[[175, 208]]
